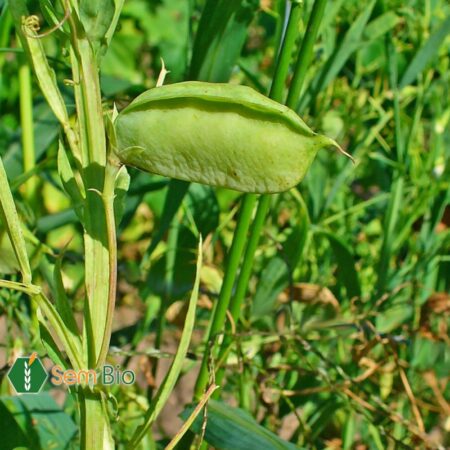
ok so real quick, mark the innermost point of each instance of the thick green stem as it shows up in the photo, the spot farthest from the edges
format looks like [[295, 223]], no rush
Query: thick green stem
[[95, 429], [244, 276], [100, 233], [93, 152], [221, 307], [305, 53], [284, 59]]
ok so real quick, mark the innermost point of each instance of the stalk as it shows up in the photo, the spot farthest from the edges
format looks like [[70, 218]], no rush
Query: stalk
[[27, 125], [93, 153], [99, 236], [220, 309], [284, 59], [276, 93], [95, 431], [305, 53]]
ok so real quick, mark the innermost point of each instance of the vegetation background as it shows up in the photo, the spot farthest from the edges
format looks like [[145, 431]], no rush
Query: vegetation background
[[343, 337]]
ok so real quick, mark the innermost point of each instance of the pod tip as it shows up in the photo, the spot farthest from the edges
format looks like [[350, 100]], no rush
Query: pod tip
[[333, 143], [341, 150]]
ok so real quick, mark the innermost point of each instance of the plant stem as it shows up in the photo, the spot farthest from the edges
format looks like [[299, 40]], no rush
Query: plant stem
[[276, 93], [284, 59], [95, 429], [93, 152], [100, 233], [244, 276], [27, 125], [305, 53], [220, 309]]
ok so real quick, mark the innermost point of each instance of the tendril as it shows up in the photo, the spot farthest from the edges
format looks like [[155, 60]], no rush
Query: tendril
[[31, 23]]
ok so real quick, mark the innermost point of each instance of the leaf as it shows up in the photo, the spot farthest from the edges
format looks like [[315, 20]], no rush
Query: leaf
[[201, 202], [347, 273], [175, 194], [69, 338], [171, 378], [50, 345], [96, 17], [46, 129], [121, 187], [8, 260], [11, 222], [12, 434], [44, 73], [167, 27], [141, 184], [220, 37], [62, 301], [183, 269], [53, 18], [425, 54], [397, 314], [295, 243], [229, 428], [69, 182], [381, 25], [273, 279], [349, 44], [37, 419]]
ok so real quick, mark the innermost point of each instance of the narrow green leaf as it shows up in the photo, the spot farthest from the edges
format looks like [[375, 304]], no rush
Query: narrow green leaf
[[122, 184], [70, 340], [175, 195], [201, 202], [11, 222], [46, 130], [381, 25], [172, 376], [46, 76], [12, 435], [220, 37], [62, 301], [96, 17], [349, 44], [425, 54], [50, 345], [229, 428], [69, 182], [347, 272], [274, 278]]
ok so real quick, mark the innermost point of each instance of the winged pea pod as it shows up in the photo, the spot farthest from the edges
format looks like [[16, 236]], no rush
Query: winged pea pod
[[217, 134]]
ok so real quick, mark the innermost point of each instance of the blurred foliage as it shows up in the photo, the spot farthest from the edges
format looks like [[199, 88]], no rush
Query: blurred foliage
[[343, 341]]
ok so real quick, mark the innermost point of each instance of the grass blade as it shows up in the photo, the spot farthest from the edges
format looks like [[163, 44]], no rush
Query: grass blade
[[220, 37], [10, 219], [425, 54], [172, 376]]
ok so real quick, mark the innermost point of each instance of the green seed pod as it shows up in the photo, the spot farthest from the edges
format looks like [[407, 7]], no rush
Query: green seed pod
[[217, 134]]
